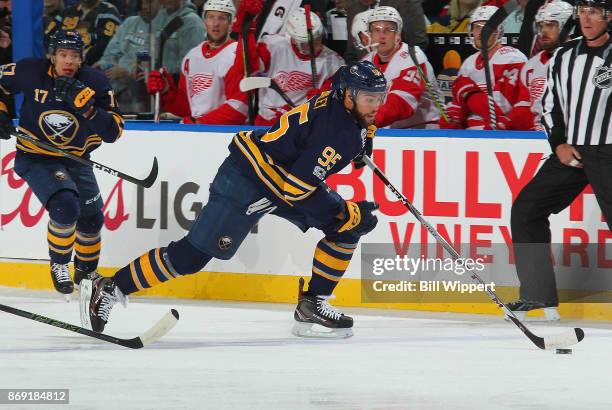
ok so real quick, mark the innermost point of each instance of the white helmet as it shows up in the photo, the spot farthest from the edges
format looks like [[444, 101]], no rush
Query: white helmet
[[360, 25], [556, 10], [224, 6], [386, 13], [296, 25], [484, 13]]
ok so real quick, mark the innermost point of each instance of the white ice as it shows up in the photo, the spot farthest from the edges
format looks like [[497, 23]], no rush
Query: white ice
[[242, 356]]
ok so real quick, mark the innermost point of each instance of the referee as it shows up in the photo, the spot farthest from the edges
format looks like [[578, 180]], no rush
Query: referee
[[577, 108]]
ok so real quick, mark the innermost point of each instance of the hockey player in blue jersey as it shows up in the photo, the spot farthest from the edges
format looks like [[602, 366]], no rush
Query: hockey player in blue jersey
[[72, 107], [279, 171]]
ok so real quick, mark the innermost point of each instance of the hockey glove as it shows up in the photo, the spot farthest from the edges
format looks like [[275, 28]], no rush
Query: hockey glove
[[6, 126], [77, 95], [358, 217], [367, 148], [159, 82], [246, 8], [456, 117]]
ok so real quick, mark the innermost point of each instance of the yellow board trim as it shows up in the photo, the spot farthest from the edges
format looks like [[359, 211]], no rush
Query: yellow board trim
[[279, 289]]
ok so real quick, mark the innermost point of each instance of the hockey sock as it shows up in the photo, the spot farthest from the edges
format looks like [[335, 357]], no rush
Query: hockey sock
[[87, 251], [330, 262], [144, 272], [60, 238]]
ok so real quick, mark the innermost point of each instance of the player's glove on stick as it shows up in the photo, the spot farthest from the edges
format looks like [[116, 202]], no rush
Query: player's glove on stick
[[159, 82], [368, 147], [358, 217], [6, 126], [77, 95]]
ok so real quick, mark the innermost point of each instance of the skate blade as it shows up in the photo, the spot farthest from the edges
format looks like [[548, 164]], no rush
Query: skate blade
[[544, 315], [84, 298], [315, 331]]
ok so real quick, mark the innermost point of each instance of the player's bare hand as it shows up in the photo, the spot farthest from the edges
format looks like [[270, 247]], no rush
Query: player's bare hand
[[115, 72], [568, 155]]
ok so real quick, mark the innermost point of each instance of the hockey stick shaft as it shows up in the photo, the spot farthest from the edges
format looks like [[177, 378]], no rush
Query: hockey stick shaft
[[313, 63], [147, 182], [576, 336], [274, 85], [430, 90], [135, 343], [169, 29], [489, 28], [244, 32]]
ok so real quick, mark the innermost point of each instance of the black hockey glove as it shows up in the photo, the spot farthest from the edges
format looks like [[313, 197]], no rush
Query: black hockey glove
[[6, 126], [367, 148], [358, 217], [79, 97]]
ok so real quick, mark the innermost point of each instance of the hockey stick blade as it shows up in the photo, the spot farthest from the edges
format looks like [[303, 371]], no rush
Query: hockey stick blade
[[552, 342], [147, 182], [254, 83], [163, 326]]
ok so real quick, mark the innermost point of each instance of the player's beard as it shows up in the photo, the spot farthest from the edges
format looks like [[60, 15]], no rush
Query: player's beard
[[361, 119]]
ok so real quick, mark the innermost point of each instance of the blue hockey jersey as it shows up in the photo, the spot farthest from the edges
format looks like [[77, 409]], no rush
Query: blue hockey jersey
[[51, 120], [293, 158]]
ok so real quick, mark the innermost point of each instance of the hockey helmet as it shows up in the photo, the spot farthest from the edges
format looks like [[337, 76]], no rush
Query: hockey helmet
[[484, 13], [296, 25], [71, 40], [558, 11], [386, 13], [224, 6], [360, 25], [605, 4], [360, 76]]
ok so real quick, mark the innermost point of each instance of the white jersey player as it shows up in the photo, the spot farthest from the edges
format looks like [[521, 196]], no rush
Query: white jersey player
[[550, 20], [408, 104], [470, 106], [208, 89], [287, 61]]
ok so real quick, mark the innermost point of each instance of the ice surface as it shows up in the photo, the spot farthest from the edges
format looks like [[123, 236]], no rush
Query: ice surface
[[242, 356]]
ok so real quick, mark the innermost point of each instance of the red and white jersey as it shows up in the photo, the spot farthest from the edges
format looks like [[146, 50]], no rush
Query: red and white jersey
[[292, 72], [408, 103], [533, 84], [204, 71], [505, 67]]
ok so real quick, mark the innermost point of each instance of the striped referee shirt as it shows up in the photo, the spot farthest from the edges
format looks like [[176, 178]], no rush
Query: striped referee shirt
[[577, 103]]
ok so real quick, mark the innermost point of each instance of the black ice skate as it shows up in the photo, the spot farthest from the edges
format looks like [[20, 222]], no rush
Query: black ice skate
[[79, 275], [315, 317], [521, 307], [60, 274], [97, 300]]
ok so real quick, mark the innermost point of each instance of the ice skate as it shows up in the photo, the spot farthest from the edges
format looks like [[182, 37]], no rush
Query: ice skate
[[60, 274], [521, 307], [79, 275], [97, 300], [315, 317]]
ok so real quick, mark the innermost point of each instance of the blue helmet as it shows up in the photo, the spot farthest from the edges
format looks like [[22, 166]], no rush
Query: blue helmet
[[360, 76], [66, 39]]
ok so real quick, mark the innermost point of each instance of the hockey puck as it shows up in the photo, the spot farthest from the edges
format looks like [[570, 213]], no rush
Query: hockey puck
[[563, 351]]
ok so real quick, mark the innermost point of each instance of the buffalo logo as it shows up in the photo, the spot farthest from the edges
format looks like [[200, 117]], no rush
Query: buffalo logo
[[376, 72], [293, 81], [225, 242], [199, 83], [603, 77], [60, 175], [60, 127]]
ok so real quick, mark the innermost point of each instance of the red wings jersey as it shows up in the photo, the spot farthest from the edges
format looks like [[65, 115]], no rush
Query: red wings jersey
[[292, 73], [416, 107], [533, 84], [204, 73], [505, 65]]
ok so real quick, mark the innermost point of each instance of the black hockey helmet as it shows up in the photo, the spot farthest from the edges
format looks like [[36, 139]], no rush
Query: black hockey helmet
[[363, 75], [605, 4], [71, 40]]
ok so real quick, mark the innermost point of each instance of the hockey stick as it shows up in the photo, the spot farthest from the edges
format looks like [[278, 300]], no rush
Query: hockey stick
[[311, 50], [159, 329], [253, 83], [244, 32], [433, 93], [550, 342], [147, 182], [488, 29], [166, 32]]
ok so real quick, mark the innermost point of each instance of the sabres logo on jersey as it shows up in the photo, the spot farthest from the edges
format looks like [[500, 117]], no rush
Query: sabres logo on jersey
[[60, 127]]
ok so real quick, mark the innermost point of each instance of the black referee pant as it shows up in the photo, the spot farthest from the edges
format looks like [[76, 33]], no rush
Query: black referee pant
[[550, 191]]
